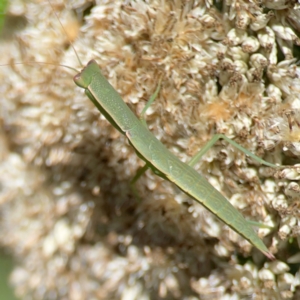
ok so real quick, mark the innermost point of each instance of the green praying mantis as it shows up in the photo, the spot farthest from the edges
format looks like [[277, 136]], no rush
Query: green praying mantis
[[158, 158]]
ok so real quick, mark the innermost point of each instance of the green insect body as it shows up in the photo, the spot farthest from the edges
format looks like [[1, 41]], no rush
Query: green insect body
[[158, 157]]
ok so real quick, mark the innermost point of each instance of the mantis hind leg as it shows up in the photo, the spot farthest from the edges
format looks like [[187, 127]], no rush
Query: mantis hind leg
[[259, 225], [217, 137]]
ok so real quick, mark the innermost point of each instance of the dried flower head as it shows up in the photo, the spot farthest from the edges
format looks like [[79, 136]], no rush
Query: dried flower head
[[68, 214]]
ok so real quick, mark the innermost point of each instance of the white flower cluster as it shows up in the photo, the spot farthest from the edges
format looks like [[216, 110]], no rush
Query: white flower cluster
[[68, 213]]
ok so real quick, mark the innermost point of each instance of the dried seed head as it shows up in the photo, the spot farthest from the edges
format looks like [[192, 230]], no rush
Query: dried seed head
[[65, 176]]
